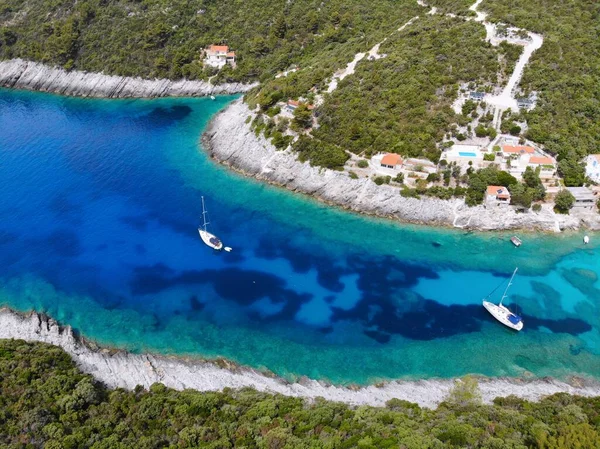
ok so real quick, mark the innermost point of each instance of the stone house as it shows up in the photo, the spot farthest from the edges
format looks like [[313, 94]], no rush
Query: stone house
[[497, 196], [218, 56]]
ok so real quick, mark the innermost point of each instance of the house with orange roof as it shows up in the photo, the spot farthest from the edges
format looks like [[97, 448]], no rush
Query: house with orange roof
[[517, 150], [218, 56], [592, 167], [391, 160], [497, 196], [292, 105]]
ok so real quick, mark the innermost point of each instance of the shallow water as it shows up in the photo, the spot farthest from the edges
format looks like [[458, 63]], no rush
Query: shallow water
[[100, 206]]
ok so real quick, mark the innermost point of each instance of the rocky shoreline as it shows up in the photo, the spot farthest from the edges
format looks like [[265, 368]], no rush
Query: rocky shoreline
[[20, 74], [229, 140], [117, 368]]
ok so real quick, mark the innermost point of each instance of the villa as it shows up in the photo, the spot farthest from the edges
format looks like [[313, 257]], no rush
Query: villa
[[518, 158], [592, 167], [390, 160], [292, 105], [497, 196], [218, 56]]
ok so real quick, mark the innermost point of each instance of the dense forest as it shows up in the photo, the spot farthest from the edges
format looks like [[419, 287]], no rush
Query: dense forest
[[160, 38], [46, 402], [399, 103]]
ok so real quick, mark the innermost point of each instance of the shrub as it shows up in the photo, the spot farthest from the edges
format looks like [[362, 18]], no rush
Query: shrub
[[536, 207], [563, 202], [399, 178], [491, 157], [363, 163], [379, 180], [433, 177], [352, 175], [407, 192]]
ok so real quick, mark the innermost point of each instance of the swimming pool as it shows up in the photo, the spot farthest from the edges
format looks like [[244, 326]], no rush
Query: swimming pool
[[467, 154]]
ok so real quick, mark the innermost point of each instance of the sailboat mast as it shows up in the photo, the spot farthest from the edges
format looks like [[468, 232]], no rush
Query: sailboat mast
[[509, 284], [204, 215]]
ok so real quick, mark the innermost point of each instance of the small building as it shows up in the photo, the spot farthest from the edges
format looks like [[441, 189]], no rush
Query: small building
[[525, 103], [476, 96], [390, 160], [218, 56], [592, 167], [497, 196], [584, 198], [292, 105]]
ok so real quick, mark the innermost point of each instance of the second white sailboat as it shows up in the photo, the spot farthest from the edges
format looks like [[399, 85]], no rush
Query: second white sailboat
[[503, 313]]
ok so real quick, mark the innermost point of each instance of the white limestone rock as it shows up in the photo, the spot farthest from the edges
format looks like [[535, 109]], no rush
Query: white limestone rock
[[230, 140], [20, 74]]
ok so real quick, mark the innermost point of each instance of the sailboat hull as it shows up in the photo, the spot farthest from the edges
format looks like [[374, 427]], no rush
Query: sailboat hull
[[503, 315], [210, 239]]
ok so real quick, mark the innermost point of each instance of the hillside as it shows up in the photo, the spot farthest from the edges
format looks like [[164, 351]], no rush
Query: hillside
[[159, 38], [47, 402], [370, 77]]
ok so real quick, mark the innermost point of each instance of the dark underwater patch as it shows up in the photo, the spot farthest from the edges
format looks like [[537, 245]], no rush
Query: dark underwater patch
[[161, 116]]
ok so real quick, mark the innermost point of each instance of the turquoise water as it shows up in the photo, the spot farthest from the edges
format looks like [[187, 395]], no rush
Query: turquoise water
[[100, 204]]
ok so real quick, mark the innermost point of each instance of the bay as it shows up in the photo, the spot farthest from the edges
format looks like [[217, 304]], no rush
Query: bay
[[100, 206]]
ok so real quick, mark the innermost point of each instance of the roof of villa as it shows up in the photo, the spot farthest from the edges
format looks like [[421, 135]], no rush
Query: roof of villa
[[498, 191], [518, 149], [391, 159]]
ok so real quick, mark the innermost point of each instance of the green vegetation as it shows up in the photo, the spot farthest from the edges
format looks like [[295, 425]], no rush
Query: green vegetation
[[48, 403], [163, 38], [564, 72], [401, 103], [480, 180], [564, 202]]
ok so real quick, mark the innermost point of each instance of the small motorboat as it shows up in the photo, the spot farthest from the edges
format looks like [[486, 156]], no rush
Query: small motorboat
[[503, 313], [212, 97], [516, 241], [586, 239]]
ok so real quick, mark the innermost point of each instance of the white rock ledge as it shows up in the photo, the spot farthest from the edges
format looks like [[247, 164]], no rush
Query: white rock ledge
[[229, 140], [20, 74], [126, 370]]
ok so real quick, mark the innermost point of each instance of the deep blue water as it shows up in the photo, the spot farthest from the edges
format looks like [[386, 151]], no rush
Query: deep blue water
[[100, 206]]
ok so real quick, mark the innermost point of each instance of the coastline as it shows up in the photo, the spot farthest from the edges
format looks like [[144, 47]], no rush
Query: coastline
[[118, 368], [229, 140], [28, 75]]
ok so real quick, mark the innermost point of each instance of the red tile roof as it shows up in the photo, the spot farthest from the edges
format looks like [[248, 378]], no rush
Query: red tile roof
[[538, 160], [498, 191], [391, 159], [231, 54], [223, 48], [518, 149]]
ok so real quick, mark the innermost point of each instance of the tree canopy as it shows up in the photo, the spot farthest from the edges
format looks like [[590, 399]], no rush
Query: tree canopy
[[48, 403]]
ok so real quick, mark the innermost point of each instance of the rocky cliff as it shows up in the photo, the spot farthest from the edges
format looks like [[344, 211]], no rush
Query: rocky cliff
[[20, 74], [230, 140], [122, 369]]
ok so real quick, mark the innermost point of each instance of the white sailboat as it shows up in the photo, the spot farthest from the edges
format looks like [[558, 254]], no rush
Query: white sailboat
[[209, 239], [503, 313]]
